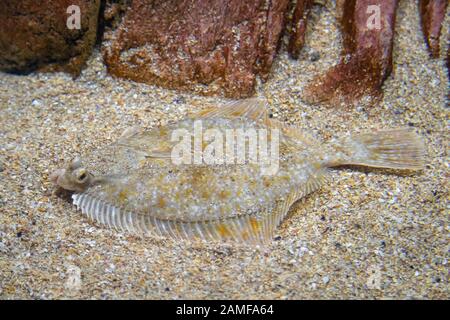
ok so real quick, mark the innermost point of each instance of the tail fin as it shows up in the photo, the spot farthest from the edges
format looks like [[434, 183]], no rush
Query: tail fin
[[396, 149]]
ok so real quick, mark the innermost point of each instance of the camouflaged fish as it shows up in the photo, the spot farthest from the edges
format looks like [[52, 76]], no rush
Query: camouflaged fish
[[133, 184]]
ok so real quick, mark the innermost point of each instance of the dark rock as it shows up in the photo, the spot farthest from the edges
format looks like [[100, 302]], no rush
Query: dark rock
[[210, 47], [436, 280], [34, 35], [179, 100], [399, 111], [315, 56]]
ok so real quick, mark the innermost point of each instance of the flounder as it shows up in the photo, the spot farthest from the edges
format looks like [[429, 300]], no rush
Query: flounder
[[135, 185]]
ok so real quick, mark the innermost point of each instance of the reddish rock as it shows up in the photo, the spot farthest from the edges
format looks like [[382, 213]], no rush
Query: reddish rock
[[432, 13], [34, 35], [299, 23], [113, 11], [367, 55], [210, 47], [448, 65]]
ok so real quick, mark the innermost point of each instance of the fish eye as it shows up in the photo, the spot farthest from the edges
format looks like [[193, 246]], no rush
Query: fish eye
[[80, 175], [75, 163]]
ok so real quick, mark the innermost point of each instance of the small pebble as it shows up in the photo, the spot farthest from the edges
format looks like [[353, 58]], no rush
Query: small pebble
[[315, 56]]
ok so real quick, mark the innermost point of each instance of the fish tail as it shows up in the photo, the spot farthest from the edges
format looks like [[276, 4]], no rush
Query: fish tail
[[396, 149]]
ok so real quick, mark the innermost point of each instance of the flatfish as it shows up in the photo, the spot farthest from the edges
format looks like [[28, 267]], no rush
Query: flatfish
[[229, 173]]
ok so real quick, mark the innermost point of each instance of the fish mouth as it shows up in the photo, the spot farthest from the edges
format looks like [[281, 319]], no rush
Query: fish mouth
[[54, 177]]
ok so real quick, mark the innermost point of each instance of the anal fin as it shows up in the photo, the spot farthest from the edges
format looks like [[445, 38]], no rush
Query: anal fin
[[248, 229]]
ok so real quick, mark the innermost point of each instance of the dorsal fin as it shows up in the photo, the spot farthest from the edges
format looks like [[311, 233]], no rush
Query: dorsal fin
[[291, 131], [129, 132], [129, 139], [253, 108]]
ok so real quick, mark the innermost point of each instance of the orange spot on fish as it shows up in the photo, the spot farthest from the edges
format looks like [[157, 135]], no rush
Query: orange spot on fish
[[123, 196], [267, 182], [224, 194], [255, 224], [163, 131], [161, 202], [206, 194], [223, 230], [317, 165]]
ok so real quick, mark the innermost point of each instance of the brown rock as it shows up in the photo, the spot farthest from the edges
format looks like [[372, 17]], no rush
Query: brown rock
[[211, 47], [113, 11], [432, 13], [299, 23], [448, 63], [34, 35], [367, 55]]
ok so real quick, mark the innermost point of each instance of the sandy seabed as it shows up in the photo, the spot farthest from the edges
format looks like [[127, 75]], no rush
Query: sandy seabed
[[366, 234]]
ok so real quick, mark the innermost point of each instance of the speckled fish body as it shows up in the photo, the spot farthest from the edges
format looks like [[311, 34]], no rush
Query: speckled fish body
[[136, 186]]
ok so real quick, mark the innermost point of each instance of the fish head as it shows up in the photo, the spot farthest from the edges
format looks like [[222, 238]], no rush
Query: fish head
[[73, 178]]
